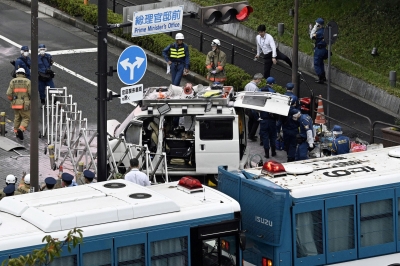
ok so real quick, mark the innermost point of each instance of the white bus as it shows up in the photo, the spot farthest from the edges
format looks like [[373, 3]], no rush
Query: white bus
[[126, 224]]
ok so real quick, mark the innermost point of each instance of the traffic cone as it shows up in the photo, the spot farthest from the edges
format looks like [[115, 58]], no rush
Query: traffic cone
[[320, 118]]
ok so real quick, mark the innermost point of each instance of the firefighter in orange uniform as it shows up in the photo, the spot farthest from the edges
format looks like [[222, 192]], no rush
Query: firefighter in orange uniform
[[215, 63], [19, 93]]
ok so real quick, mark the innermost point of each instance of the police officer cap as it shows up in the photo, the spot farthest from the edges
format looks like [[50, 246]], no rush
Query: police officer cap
[[294, 111], [67, 177], [337, 129], [50, 180], [25, 48], [320, 21], [88, 174], [270, 80], [9, 189], [289, 86]]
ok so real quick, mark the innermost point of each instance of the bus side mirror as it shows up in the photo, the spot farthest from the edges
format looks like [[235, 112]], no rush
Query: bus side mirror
[[242, 240]]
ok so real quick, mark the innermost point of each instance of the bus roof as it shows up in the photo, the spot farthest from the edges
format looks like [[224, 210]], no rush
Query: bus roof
[[338, 173], [111, 206]]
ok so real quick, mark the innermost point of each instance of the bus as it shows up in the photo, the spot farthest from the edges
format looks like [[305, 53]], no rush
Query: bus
[[176, 223], [337, 210]]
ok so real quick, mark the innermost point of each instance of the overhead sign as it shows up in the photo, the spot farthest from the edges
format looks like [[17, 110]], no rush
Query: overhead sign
[[132, 93], [155, 21], [132, 64]]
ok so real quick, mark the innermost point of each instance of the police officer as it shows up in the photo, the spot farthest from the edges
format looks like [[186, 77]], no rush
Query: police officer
[[178, 59], [45, 62], [252, 122], [87, 178], [341, 144], [50, 183], [305, 138], [269, 86], [24, 61], [19, 93], [68, 180], [9, 190], [320, 51], [268, 132], [215, 63], [289, 92], [25, 186], [290, 129]]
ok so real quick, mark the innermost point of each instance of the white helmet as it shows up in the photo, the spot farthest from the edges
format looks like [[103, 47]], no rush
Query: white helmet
[[20, 71], [179, 36], [27, 179], [10, 179], [215, 42]]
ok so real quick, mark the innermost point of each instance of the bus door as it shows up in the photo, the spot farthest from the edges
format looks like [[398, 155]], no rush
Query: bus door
[[216, 244], [216, 143]]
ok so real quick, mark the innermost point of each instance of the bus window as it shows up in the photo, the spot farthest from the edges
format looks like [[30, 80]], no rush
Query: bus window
[[219, 251], [376, 219], [170, 252], [341, 228], [131, 255], [309, 234], [65, 261], [97, 258]]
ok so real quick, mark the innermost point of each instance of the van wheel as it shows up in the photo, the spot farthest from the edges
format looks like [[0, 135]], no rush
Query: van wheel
[[212, 180]]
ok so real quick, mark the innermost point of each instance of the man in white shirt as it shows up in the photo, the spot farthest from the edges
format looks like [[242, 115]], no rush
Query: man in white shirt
[[136, 176], [266, 45]]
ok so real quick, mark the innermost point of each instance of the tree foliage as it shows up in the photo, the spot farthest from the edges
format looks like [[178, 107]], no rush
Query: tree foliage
[[51, 250]]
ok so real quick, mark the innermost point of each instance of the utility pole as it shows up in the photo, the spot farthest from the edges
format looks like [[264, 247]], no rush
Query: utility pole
[[295, 60], [34, 148], [102, 91]]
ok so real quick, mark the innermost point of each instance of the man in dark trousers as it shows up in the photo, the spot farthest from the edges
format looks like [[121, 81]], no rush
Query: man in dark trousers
[[46, 75], [320, 51], [178, 59], [266, 45]]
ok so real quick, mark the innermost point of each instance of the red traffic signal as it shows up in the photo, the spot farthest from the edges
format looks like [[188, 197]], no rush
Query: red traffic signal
[[225, 13]]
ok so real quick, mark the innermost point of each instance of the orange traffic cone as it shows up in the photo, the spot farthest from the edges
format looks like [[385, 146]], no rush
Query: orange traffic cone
[[320, 118]]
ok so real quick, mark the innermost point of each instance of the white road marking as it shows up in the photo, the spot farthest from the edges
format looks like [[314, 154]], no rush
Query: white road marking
[[74, 51]]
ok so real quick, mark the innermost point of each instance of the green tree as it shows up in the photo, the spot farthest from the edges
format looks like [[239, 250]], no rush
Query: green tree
[[51, 250]]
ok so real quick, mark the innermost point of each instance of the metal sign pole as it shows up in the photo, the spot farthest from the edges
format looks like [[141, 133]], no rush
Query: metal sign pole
[[329, 73]]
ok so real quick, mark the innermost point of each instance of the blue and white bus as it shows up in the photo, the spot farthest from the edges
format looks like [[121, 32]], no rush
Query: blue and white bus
[[339, 210], [126, 224]]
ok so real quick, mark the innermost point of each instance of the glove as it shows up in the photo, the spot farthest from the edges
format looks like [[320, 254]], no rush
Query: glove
[[213, 71], [311, 146], [168, 69]]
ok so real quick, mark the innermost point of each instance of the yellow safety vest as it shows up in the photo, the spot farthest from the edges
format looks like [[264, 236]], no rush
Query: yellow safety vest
[[176, 53]]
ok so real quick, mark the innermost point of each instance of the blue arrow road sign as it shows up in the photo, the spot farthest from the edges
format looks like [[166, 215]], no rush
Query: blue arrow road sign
[[132, 65]]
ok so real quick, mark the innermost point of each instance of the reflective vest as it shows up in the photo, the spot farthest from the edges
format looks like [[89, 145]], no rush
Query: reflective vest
[[176, 53], [19, 92]]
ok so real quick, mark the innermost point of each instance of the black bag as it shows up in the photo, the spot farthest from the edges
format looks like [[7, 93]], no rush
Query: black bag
[[50, 72], [300, 139], [44, 76]]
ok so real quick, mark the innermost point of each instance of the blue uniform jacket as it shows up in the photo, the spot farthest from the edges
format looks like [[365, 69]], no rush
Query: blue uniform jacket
[[341, 145], [306, 124], [267, 88], [44, 62], [25, 63]]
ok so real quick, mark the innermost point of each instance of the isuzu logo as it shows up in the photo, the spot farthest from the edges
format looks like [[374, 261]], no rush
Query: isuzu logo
[[263, 221]]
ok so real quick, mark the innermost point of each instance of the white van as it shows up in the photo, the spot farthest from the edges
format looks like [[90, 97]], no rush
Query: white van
[[198, 128]]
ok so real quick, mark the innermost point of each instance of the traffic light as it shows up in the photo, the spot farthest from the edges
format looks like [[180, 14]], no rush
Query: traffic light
[[225, 13]]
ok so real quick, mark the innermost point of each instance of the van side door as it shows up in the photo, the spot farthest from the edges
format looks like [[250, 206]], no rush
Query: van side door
[[216, 142]]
